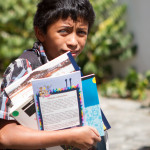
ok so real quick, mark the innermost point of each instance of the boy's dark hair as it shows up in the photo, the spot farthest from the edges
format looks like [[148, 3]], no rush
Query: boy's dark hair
[[49, 11]]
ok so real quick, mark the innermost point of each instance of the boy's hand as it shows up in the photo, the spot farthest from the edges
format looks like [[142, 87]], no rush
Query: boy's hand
[[84, 137]]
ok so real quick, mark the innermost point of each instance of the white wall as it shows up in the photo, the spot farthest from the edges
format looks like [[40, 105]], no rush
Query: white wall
[[138, 22]]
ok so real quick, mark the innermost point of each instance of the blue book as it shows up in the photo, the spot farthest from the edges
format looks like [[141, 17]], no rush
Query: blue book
[[93, 116], [106, 124]]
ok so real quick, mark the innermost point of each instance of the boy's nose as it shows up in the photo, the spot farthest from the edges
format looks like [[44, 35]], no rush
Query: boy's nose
[[72, 42]]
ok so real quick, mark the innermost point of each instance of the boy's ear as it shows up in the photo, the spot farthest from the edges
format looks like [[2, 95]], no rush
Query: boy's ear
[[39, 34]]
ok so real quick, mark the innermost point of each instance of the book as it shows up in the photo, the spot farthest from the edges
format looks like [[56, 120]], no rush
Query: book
[[59, 101], [25, 114], [20, 92], [89, 79], [93, 116], [22, 88], [106, 124]]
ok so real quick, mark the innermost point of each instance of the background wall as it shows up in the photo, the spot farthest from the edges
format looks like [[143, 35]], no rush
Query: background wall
[[138, 22]]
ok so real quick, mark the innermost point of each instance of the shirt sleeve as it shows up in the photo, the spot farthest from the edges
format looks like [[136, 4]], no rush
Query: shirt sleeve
[[15, 71]]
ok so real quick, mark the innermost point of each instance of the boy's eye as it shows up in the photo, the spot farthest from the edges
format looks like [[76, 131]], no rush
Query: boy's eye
[[62, 31], [81, 32]]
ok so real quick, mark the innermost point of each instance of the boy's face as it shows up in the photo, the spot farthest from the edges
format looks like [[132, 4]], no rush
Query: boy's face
[[63, 36]]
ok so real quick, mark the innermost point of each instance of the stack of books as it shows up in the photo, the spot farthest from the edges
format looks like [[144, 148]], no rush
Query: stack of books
[[55, 96]]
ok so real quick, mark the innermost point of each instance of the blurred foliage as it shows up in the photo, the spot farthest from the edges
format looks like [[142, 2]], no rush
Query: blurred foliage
[[16, 30], [133, 86], [107, 40]]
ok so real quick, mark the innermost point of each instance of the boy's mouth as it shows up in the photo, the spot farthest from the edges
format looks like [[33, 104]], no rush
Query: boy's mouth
[[73, 52]]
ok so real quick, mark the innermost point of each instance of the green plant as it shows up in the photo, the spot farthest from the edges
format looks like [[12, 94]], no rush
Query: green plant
[[133, 86], [136, 84], [16, 31], [108, 40], [114, 88], [147, 74]]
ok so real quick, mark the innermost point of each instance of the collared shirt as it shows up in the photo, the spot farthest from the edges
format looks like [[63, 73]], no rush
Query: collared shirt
[[15, 71]]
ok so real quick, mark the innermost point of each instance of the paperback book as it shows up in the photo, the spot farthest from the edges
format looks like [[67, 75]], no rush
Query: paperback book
[[21, 92], [22, 88], [59, 101], [93, 116]]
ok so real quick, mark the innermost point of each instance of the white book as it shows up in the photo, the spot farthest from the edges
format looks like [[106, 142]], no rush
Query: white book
[[21, 90]]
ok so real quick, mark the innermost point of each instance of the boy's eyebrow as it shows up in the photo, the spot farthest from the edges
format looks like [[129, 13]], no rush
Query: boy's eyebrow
[[66, 26], [69, 27], [83, 28]]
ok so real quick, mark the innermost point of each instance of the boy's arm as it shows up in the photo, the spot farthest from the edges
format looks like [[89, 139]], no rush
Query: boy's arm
[[16, 136]]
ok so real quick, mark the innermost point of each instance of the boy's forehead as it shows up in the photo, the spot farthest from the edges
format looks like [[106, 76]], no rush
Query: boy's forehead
[[70, 21]]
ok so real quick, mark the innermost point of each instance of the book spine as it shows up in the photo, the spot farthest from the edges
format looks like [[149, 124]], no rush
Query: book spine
[[76, 67], [39, 116]]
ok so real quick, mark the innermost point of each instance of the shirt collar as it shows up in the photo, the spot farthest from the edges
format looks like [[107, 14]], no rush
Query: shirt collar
[[39, 49]]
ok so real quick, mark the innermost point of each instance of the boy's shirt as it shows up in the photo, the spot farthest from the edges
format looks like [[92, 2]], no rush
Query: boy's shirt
[[15, 71]]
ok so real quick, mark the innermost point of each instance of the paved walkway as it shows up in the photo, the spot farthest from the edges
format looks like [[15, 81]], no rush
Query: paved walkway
[[130, 124]]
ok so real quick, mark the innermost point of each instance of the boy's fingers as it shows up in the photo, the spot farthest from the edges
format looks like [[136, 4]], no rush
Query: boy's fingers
[[97, 138], [95, 131]]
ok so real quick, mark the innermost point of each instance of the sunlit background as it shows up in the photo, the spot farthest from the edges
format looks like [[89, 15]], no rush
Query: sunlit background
[[117, 51]]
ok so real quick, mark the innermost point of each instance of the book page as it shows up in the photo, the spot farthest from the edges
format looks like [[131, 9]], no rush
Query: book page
[[60, 110]]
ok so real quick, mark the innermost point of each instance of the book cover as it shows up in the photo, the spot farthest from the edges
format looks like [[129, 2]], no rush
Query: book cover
[[106, 124], [59, 101], [25, 114], [93, 116], [21, 90]]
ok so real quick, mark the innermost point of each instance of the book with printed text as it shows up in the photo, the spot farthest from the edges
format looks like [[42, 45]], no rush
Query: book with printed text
[[22, 88], [59, 101], [20, 92]]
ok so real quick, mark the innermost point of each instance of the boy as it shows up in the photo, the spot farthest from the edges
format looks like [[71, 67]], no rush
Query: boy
[[60, 26]]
